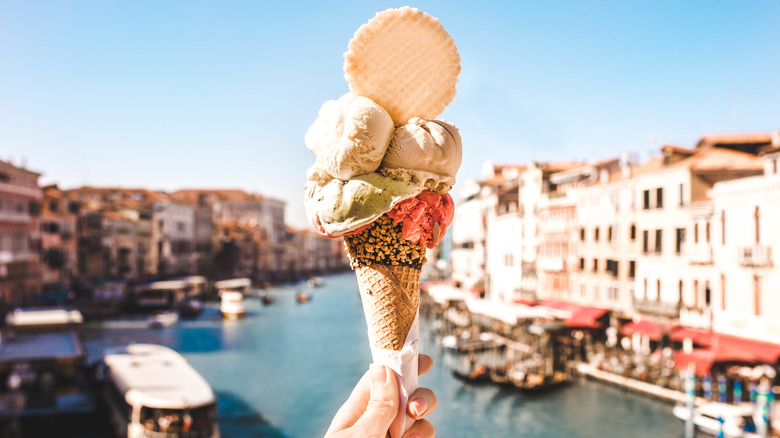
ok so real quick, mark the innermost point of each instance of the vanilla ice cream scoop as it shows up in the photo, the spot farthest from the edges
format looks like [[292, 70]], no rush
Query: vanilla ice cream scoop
[[349, 137], [429, 146]]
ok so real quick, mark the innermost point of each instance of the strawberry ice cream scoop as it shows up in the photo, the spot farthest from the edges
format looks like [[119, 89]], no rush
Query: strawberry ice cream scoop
[[425, 217]]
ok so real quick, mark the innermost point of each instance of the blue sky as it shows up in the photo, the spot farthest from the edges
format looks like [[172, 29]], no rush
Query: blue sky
[[182, 94]]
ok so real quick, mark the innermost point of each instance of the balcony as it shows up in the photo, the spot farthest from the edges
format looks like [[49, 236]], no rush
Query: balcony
[[755, 256], [660, 308], [698, 253], [550, 264]]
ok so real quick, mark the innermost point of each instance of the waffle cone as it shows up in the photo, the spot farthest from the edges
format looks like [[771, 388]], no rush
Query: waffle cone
[[391, 296]]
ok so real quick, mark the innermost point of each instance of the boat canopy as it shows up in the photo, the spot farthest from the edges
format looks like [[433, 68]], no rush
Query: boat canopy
[[233, 283], [43, 317], [157, 377], [165, 285]]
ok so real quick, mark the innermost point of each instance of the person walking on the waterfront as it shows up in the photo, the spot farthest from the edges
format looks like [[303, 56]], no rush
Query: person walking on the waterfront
[[373, 405]]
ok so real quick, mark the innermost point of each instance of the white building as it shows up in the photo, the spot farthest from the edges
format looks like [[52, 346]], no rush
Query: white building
[[744, 299], [173, 238]]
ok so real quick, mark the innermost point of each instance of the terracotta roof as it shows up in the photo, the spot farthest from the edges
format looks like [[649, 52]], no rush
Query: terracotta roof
[[717, 159], [678, 149], [735, 138], [235, 195]]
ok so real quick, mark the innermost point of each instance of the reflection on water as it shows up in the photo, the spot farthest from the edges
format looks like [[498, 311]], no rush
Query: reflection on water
[[285, 369]]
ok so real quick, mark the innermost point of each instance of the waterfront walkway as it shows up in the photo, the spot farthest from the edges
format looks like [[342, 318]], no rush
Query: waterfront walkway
[[635, 385]]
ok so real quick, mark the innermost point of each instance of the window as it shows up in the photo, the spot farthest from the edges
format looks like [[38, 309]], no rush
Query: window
[[646, 205], [582, 264], [633, 232], [707, 231], [680, 293], [645, 238], [756, 220], [682, 195], [659, 197], [658, 240], [596, 234], [695, 233], [582, 234], [707, 294], [680, 239], [723, 227], [612, 267], [631, 269], [722, 292], [595, 265], [609, 233], [658, 290], [757, 294]]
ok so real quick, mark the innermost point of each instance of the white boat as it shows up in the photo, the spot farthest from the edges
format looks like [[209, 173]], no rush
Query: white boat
[[152, 391], [738, 420], [232, 304], [315, 282], [242, 285], [163, 320], [161, 294]]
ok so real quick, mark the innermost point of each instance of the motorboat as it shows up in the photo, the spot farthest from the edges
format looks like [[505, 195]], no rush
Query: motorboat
[[232, 304], [736, 421], [315, 282], [152, 391], [163, 319], [190, 308]]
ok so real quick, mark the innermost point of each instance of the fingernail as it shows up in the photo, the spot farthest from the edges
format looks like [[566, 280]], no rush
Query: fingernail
[[418, 406], [377, 374]]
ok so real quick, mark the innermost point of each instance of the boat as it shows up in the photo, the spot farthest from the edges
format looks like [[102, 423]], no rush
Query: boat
[[232, 304], [242, 285], [43, 364], [190, 308], [533, 382], [738, 420], [164, 319], [267, 298], [315, 282], [152, 391], [478, 374], [302, 298], [160, 294]]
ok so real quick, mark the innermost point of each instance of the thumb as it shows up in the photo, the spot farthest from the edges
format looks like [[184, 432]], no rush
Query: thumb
[[382, 406]]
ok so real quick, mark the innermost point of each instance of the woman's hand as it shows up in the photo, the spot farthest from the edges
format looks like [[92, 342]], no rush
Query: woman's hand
[[373, 405]]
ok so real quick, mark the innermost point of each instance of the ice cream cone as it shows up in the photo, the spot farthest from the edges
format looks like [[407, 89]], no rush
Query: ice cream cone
[[388, 267], [391, 296]]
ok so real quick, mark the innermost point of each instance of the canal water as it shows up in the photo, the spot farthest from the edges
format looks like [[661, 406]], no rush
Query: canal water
[[285, 369]]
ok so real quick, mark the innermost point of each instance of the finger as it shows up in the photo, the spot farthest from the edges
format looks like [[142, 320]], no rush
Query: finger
[[354, 407], [423, 429], [421, 403], [424, 364], [382, 406]]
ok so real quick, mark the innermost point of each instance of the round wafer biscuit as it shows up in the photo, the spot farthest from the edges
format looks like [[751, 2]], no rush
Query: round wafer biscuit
[[405, 61]]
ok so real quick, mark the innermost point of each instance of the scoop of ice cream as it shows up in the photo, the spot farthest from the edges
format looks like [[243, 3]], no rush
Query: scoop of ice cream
[[425, 218], [349, 137], [428, 146], [338, 207]]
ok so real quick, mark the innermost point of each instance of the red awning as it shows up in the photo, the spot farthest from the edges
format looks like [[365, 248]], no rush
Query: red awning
[[699, 338], [645, 327], [723, 348], [577, 316], [721, 345]]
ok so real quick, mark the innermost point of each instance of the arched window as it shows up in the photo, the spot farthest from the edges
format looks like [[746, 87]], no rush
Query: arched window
[[707, 232], [696, 233], [658, 290], [723, 227]]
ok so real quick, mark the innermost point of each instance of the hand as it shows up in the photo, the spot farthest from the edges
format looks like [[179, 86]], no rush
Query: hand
[[373, 405]]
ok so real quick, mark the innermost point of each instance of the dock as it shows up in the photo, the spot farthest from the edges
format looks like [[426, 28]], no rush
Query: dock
[[635, 385]]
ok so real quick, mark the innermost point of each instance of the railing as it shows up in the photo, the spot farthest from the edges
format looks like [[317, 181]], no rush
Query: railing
[[698, 253], [755, 255], [661, 308]]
